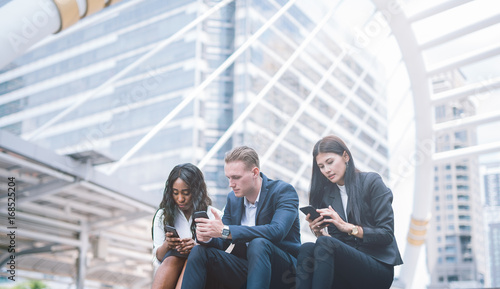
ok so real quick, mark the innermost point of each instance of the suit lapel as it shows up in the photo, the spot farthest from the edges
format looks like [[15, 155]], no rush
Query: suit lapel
[[332, 197], [239, 210], [262, 198]]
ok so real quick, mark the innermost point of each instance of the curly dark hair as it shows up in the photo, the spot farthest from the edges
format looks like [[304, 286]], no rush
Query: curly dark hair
[[320, 184], [193, 178]]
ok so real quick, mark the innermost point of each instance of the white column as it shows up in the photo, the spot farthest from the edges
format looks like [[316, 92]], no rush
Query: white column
[[81, 261]]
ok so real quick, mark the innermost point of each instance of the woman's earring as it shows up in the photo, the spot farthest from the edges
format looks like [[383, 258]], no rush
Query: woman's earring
[[346, 164]]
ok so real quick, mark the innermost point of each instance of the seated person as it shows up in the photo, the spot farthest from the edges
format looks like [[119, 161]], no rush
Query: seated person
[[356, 247], [261, 220], [185, 193]]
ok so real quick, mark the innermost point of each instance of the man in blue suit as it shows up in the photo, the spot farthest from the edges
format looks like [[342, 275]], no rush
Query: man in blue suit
[[257, 240]]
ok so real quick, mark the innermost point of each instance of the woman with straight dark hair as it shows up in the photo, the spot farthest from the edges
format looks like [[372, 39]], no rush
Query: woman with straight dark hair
[[356, 247], [185, 193]]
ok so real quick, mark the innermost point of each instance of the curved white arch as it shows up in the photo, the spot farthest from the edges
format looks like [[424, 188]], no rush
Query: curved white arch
[[417, 73], [424, 100]]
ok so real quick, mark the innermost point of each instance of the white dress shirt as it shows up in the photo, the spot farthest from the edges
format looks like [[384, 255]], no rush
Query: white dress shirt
[[249, 214], [345, 198]]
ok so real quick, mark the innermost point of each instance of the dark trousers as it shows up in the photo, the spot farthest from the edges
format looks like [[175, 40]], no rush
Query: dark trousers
[[265, 266], [330, 263]]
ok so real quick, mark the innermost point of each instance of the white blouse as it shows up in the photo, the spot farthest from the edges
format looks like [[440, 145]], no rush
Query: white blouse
[[181, 224], [345, 198]]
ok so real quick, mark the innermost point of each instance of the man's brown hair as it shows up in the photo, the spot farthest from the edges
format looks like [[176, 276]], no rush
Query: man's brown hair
[[245, 154]]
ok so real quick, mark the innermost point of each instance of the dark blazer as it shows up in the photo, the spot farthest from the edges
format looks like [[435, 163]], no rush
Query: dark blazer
[[277, 218], [377, 218]]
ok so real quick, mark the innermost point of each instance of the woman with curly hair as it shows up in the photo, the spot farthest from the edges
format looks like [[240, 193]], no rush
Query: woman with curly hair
[[185, 193]]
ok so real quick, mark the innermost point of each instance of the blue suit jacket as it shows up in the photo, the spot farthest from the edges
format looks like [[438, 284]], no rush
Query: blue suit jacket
[[277, 218]]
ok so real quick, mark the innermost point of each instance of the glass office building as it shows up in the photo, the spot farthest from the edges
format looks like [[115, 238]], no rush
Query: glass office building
[[56, 74], [455, 250], [61, 71], [347, 102], [491, 184]]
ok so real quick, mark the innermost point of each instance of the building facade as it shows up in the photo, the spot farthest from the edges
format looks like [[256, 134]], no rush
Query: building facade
[[65, 69], [491, 184], [324, 90], [293, 113], [455, 246]]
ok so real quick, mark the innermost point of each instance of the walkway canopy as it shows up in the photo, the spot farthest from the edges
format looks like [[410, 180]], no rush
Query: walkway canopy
[[71, 220]]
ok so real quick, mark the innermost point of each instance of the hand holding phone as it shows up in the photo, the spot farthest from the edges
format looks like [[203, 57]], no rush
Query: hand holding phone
[[200, 214], [312, 211], [173, 230]]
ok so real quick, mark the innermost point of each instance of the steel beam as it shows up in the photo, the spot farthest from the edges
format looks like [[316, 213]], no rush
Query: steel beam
[[493, 20], [471, 121], [36, 192], [466, 152], [108, 223], [474, 89], [458, 62], [437, 9], [53, 238]]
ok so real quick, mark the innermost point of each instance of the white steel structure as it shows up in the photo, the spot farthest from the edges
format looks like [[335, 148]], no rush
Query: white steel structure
[[70, 220], [420, 71]]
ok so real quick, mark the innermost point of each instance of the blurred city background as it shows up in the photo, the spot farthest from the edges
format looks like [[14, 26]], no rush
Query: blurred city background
[[99, 99]]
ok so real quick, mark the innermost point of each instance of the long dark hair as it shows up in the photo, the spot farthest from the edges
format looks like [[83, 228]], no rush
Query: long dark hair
[[193, 178], [321, 185]]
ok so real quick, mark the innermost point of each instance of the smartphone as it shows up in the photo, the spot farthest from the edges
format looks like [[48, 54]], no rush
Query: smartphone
[[310, 210], [171, 229], [200, 214]]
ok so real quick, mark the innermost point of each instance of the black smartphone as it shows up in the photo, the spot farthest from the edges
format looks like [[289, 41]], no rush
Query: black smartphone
[[200, 214], [171, 229], [310, 210]]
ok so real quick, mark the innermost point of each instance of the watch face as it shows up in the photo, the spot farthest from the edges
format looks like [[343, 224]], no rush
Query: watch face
[[225, 232]]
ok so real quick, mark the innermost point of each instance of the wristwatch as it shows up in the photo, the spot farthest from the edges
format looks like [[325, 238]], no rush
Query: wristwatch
[[354, 230], [225, 232]]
